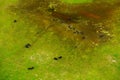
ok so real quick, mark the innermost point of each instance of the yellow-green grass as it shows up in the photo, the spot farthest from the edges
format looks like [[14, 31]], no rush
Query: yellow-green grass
[[100, 62]]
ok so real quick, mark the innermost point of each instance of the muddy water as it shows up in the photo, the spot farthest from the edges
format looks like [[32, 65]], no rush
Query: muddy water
[[89, 23]]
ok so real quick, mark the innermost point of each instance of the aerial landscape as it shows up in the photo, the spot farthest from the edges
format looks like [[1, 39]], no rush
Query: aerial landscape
[[59, 39]]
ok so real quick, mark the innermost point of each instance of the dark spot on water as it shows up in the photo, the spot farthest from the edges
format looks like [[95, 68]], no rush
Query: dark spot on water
[[55, 58], [83, 37], [28, 45], [15, 21], [60, 57], [51, 9], [31, 68]]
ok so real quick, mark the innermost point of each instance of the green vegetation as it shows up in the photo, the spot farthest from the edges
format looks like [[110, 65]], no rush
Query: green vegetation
[[81, 60]]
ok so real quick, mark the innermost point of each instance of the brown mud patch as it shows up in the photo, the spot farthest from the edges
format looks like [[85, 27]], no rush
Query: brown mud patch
[[88, 23]]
